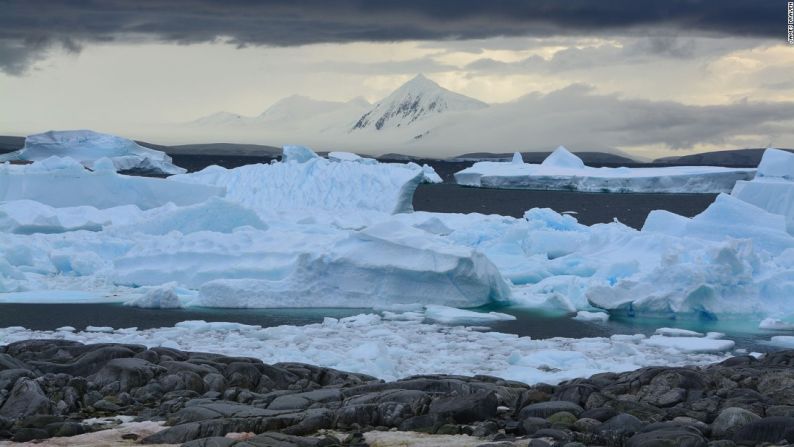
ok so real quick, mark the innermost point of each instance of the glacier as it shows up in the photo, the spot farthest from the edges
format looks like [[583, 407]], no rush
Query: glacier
[[87, 147], [562, 170]]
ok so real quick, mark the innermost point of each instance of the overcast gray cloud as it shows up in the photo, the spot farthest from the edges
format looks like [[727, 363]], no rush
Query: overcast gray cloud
[[27, 28], [628, 51]]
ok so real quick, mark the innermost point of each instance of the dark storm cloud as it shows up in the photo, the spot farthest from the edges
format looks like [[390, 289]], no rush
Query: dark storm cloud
[[29, 27]]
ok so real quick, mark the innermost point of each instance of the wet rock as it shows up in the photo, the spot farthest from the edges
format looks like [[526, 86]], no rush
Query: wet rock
[[622, 425], [668, 437], [302, 401], [730, 420], [106, 406], [546, 409], [466, 409], [563, 419], [9, 362], [531, 424], [600, 414], [576, 391], [586, 425], [215, 441], [25, 399], [770, 429], [10, 376], [29, 434], [128, 372]]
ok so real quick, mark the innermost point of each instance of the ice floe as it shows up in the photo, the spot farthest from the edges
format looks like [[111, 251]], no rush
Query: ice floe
[[773, 187], [562, 170], [392, 349], [87, 147]]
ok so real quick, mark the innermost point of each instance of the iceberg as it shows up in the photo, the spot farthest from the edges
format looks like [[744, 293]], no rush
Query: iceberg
[[773, 187], [87, 147], [349, 156], [315, 184], [297, 154], [562, 170], [63, 182], [385, 264], [162, 297]]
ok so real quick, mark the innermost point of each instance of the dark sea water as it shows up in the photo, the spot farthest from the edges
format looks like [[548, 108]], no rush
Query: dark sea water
[[590, 208]]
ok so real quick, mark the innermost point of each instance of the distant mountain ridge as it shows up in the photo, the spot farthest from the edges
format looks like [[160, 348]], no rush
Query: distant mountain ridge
[[588, 157], [734, 158]]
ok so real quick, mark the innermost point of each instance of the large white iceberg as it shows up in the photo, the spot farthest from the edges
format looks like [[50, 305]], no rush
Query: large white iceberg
[[563, 170], [773, 187], [87, 147], [314, 183], [385, 264], [63, 182]]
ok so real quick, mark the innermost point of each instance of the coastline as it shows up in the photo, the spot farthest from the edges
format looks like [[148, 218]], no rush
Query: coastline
[[49, 386]]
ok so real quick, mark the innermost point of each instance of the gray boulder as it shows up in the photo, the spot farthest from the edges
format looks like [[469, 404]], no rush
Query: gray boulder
[[466, 409], [731, 419], [128, 372], [771, 429], [26, 399], [668, 437], [546, 409]]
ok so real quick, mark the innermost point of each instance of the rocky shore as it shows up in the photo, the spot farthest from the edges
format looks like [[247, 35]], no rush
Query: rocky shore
[[57, 388]]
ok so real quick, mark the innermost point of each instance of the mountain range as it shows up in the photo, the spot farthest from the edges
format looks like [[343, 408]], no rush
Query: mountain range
[[419, 117]]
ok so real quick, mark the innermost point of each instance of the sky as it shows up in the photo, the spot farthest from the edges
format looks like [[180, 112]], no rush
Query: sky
[[673, 76]]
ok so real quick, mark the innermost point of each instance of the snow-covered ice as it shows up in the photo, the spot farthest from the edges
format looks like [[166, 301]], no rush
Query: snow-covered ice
[[562, 170], [451, 315], [776, 324], [393, 349], [161, 297], [677, 332], [63, 182], [315, 184], [87, 147], [584, 315], [320, 233], [773, 187]]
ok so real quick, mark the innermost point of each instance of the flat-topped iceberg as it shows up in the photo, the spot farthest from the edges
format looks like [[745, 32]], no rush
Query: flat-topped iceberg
[[773, 187], [314, 183], [87, 147], [64, 182], [562, 170]]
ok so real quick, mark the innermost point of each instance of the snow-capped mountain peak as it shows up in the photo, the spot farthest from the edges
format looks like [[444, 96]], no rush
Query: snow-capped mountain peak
[[414, 101]]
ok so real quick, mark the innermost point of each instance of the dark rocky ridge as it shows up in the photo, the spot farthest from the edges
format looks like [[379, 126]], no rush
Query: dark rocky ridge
[[47, 387], [738, 158]]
